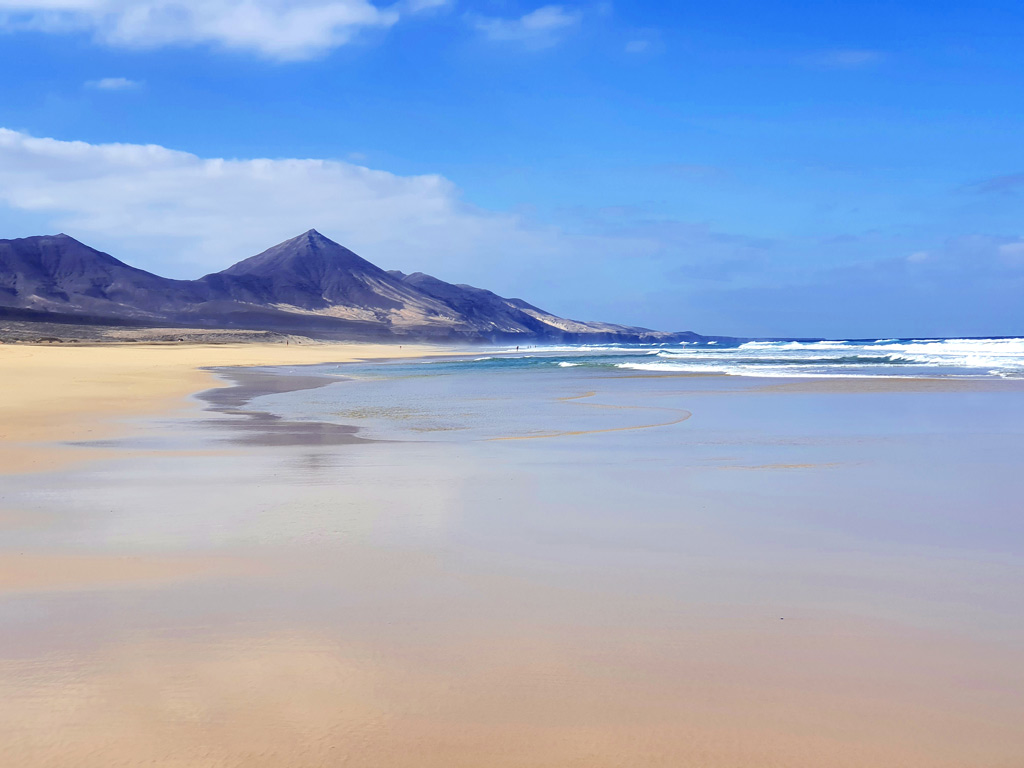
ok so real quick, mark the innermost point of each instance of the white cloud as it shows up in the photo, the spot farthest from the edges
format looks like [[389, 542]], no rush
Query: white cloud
[[540, 28], [182, 215], [113, 84], [215, 210], [280, 29], [638, 46]]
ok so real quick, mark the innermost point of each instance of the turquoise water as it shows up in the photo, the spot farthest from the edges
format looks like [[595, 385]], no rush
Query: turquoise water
[[546, 391]]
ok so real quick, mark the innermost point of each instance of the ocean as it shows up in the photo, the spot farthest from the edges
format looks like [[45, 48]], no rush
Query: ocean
[[543, 391], [974, 358]]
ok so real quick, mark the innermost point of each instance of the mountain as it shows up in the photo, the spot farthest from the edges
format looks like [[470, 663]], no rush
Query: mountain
[[491, 313], [485, 310], [311, 274], [56, 273], [308, 284]]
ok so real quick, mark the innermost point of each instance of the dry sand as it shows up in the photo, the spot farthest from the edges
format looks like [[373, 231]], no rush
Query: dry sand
[[51, 395]]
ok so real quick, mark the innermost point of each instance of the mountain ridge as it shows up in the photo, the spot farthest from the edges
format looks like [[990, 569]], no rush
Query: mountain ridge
[[307, 284]]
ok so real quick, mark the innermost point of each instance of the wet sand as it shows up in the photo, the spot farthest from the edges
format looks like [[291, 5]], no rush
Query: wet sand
[[50, 396], [39, 572], [290, 699], [605, 597]]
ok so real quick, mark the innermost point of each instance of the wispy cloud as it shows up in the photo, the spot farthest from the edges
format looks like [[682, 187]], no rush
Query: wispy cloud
[[644, 42], [425, 5], [845, 58], [978, 253], [965, 286], [1012, 253], [1004, 185], [541, 28], [277, 29], [113, 84]]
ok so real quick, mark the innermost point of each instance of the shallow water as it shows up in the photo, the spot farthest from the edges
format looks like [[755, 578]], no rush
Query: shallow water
[[527, 564], [976, 358]]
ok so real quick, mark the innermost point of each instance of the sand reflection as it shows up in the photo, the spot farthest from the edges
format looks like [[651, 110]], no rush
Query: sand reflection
[[534, 698]]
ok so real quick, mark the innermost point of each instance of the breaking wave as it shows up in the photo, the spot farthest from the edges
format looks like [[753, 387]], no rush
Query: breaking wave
[[973, 358]]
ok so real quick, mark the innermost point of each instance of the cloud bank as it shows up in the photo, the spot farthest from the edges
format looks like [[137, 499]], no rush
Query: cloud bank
[[278, 29], [182, 215], [216, 209]]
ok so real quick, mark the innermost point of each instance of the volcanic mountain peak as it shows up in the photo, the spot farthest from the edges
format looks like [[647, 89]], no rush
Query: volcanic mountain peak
[[313, 273], [310, 254]]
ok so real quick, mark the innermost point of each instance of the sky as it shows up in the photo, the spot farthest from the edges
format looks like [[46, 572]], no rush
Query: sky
[[767, 168]]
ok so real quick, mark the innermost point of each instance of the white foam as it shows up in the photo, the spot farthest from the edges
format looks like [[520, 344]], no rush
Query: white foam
[[991, 356], [761, 371], [1002, 358]]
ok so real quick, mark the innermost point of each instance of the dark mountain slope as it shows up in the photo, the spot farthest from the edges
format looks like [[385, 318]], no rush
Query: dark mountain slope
[[59, 274], [314, 274], [486, 311], [495, 315]]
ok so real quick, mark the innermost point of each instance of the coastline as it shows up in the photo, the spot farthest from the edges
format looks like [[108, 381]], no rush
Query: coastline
[[50, 396]]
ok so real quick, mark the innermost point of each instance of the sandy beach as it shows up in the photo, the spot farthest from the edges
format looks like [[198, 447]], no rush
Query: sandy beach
[[51, 395], [187, 596]]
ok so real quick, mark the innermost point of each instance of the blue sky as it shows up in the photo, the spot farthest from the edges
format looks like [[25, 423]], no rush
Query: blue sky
[[752, 168]]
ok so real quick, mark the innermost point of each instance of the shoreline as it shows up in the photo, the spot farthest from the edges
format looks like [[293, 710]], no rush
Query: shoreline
[[52, 396]]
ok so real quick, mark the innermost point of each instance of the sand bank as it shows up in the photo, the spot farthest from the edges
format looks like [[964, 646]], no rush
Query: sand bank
[[54, 394]]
